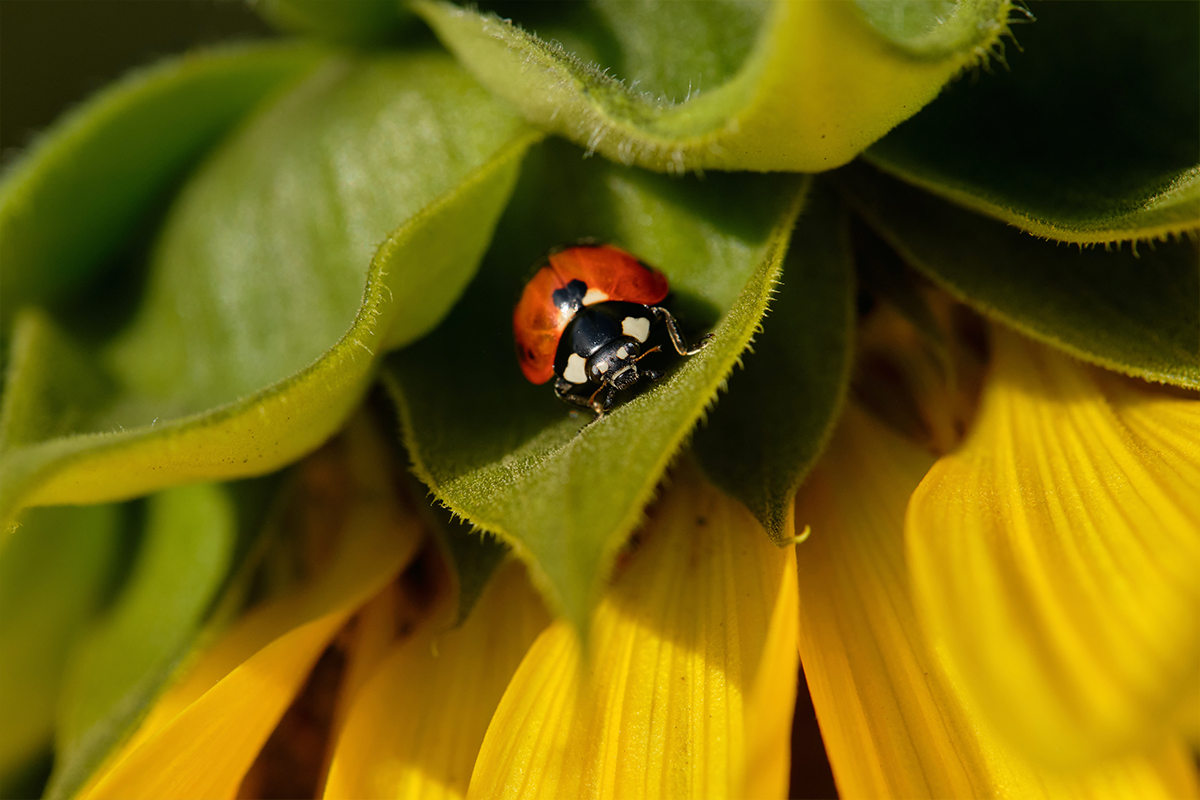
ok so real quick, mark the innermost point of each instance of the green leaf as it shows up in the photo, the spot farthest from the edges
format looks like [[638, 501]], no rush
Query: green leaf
[[473, 555], [769, 86], [1132, 310], [121, 665], [511, 458], [1089, 135], [255, 337], [54, 574], [70, 204], [765, 435], [361, 22]]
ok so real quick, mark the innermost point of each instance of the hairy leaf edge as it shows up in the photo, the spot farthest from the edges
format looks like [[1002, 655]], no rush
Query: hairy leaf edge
[[774, 254], [39, 486], [1051, 230]]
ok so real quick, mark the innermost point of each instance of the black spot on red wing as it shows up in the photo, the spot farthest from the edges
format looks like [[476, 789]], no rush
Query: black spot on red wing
[[569, 298]]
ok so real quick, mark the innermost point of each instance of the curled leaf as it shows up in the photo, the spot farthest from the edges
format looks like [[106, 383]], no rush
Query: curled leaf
[[54, 575], [800, 86], [68, 206], [255, 337], [1089, 135], [122, 664]]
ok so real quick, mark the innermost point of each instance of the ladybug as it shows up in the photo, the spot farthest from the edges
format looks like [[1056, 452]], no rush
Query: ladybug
[[585, 319]]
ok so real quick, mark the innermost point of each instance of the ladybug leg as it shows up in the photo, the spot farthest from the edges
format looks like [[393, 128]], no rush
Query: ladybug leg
[[600, 406], [610, 398], [563, 391], [681, 347]]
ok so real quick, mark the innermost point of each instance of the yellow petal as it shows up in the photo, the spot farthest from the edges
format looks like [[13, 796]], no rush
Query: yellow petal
[[1056, 556], [893, 725], [204, 734], [373, 632], [690, 679], [415, 728]]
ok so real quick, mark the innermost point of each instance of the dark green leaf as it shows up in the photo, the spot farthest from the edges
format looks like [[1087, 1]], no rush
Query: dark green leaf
[[1133, 310], [120, 666], [767, 432], [1090, 133], [362, 22], [511, 458], [54, 574], [71, 202], [473, 556], [255, 338]]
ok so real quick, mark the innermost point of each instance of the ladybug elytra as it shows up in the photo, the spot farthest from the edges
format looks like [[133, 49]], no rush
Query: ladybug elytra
[[585, 319]]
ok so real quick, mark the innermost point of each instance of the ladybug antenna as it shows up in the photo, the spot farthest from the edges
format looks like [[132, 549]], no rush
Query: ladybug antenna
[[654, 349]]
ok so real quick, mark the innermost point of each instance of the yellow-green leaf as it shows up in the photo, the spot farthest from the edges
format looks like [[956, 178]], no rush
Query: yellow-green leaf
[[273, 288], [55, 573], [358, 22], [775, 86], [122, 663]]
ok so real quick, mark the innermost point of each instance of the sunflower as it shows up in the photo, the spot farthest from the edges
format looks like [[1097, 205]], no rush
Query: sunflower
[[283, 518]]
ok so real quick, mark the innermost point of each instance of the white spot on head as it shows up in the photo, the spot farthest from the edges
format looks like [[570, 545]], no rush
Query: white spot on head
[[594, 296], [637, 327], [602, 367], [575, 372], [622, 353]]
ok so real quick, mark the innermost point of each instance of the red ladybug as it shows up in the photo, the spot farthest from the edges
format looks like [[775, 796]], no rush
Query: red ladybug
[[586, 317]]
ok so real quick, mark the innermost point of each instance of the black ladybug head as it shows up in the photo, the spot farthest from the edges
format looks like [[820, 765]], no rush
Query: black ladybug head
[[615, 363]]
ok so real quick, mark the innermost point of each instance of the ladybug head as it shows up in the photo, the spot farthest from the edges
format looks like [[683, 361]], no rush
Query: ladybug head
[[615, 363]]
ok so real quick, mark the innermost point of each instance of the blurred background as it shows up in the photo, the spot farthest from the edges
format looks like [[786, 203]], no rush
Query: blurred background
[[56, 53]]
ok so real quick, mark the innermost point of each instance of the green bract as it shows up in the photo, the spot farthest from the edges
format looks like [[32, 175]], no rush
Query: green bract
[[118, 667], [54, 574], [779, 86], [206, 268], [1042, 167], [1130, 310], [70, 204], [762, 438], [279, 276]]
